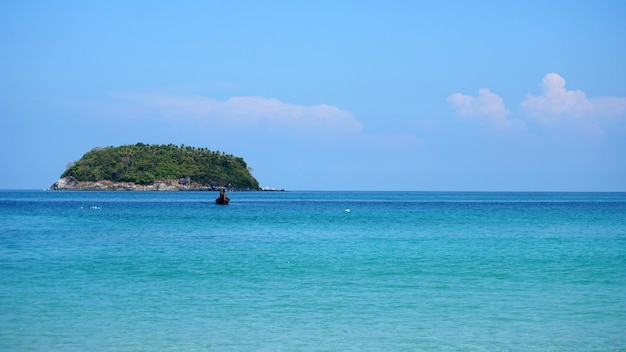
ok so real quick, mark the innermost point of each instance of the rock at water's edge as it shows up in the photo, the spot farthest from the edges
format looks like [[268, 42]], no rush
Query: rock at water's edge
[[65, 183], [70, 183]]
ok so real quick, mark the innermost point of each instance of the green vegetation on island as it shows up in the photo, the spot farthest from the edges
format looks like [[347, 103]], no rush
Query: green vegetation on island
[[144, 164]]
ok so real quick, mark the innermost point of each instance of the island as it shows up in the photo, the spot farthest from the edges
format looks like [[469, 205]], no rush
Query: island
[[151, 167]]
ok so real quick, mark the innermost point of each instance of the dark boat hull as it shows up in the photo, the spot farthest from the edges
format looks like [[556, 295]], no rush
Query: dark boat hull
[[221, 200]]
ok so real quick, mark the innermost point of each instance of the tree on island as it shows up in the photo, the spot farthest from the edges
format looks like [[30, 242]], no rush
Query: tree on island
[[146, 163]]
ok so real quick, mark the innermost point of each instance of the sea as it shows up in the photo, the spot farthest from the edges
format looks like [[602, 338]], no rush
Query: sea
[[312, 271]]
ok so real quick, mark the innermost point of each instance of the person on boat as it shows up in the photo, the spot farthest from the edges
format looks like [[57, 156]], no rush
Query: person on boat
[[222, 198]]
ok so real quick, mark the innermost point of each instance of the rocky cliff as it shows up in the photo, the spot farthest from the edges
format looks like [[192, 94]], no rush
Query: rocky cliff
[[70, 183]]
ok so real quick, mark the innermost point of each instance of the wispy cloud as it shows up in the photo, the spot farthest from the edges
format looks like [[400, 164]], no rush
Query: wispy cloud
[[250, 111], [484, 106], [557, 101]]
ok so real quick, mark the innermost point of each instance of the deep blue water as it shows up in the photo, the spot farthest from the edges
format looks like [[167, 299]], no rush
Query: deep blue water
[[290, 271]]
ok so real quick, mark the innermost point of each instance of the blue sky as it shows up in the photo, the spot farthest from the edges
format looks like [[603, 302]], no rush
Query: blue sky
[[324, 95]]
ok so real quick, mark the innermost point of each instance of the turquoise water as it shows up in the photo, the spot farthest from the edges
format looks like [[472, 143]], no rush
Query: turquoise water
[[291, 271]]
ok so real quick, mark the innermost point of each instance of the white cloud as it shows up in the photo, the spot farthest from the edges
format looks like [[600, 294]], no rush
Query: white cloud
[[251, 111], [556, 106], [609, 106], [486, 106], [556, 101]]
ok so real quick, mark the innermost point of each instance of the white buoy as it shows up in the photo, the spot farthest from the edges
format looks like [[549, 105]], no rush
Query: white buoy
[[347, 210]]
